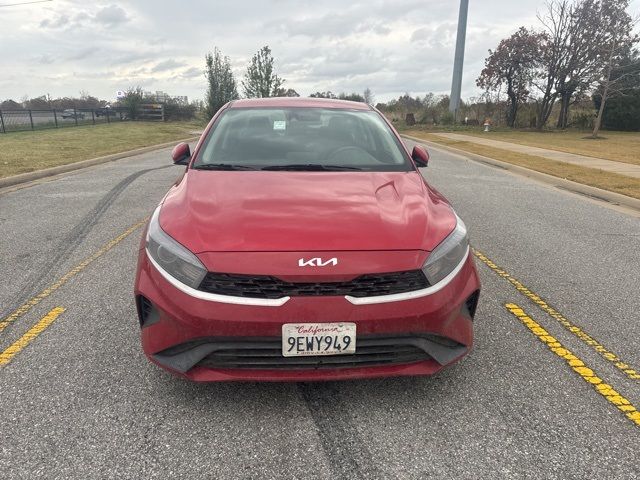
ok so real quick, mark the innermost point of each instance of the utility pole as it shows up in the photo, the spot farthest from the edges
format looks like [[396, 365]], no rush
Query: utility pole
[[456, 85]]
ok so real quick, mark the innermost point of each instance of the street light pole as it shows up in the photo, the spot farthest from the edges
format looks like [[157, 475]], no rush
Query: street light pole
[[456, 85]]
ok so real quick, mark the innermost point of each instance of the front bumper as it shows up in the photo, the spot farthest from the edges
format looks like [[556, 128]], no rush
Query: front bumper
[[185, 335]]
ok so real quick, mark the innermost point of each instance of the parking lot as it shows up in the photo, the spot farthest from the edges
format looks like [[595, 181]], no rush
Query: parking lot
[[550, 390]]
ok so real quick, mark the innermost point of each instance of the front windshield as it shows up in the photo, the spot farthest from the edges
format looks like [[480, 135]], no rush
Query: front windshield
[[304, 139]]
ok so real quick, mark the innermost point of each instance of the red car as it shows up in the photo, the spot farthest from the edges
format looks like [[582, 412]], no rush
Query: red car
[[302, 243]]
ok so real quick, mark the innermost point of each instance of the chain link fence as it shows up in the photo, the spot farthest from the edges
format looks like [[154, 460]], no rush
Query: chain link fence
[[21, 120]]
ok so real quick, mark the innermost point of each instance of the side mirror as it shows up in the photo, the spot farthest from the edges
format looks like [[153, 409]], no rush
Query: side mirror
[[420, 156], [181, 154]]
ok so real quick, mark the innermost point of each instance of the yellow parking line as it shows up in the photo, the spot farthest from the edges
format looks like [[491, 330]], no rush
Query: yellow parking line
[[27, 338], [577, 365], [627, 369], [5, 322]]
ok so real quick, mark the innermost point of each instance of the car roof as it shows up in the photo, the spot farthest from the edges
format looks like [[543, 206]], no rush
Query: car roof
[[300, 102]]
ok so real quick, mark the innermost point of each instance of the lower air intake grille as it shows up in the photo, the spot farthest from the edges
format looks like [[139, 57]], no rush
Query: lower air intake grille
[[254, 286], [265, 353], [268, 355], [146, 312], [472, 303]]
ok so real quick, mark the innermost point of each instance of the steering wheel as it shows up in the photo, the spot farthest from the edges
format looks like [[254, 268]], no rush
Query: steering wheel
[[341, 150]]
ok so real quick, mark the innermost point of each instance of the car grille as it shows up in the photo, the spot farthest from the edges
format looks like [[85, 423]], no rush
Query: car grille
[[255, 286], [267, 354]]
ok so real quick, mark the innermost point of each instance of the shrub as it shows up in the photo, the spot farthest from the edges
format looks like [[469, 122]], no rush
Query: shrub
[[621, 112], [583, 120], [447, 118], [178, 111]]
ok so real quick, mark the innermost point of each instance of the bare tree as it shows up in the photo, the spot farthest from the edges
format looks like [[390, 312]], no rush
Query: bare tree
[[369, 98], [557, 21], [578, 69], [616, 51], [581, 40], [513, 65]]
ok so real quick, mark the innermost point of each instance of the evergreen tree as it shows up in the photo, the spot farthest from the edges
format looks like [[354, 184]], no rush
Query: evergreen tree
[[222, 86], [261, 80]]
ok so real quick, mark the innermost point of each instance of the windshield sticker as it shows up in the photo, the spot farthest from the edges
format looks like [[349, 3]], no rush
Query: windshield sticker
[[280, 125]]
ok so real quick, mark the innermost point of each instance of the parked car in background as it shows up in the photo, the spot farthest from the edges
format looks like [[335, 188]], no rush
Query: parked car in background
[[104, 112], [72, 113]]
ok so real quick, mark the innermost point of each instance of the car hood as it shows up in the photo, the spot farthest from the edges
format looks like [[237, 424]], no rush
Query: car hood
[[222, 211]]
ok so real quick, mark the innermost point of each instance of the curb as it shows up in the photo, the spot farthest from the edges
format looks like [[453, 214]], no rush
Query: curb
[[53, 171], [561, 183]]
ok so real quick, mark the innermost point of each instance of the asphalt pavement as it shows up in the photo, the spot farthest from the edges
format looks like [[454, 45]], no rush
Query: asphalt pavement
[[549, 391]]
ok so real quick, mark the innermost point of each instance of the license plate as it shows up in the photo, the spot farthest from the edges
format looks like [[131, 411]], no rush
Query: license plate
[[317, 339]]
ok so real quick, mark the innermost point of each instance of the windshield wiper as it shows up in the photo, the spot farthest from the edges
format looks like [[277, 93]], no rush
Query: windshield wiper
[[310, 167], [222, 166]]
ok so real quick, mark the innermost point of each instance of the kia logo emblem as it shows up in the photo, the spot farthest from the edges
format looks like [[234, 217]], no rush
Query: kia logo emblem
[[317, 262]]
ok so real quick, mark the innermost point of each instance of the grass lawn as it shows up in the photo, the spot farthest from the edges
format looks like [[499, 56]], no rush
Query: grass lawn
[[22, 152], [617, 146], [588, 176]]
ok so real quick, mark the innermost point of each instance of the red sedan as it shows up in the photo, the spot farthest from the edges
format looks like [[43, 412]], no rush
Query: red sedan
[[302, 243]]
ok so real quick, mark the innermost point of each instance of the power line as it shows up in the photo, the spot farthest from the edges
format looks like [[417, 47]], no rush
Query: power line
[[23, 3]]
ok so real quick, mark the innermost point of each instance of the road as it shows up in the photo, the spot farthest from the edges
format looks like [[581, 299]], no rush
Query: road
[[550, 399]]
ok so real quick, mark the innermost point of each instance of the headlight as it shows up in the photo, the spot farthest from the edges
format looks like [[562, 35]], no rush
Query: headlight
[[448, 255], [172, 257]]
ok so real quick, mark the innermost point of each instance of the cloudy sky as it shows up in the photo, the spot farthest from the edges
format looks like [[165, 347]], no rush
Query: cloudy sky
[[64, 46]]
